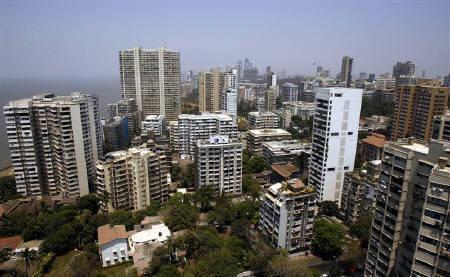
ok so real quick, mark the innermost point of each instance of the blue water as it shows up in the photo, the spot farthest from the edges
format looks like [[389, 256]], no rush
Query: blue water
[[108, 90]]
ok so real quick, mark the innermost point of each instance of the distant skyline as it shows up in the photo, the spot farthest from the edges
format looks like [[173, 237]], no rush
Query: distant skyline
[[80, 39]]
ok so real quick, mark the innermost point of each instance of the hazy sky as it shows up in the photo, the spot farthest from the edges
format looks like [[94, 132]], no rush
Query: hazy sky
[[81, 39]]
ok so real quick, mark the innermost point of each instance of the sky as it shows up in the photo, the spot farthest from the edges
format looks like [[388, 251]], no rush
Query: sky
[[81, 39]]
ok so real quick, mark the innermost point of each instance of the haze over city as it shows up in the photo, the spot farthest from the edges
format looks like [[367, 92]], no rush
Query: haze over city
[[70, 39]]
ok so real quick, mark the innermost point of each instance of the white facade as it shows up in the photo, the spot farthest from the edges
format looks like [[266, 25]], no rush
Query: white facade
[[229, 102], [114, 252], [289, 92], [219, 164], [192, 128], [287, 215], [263, 120], [335, 136], [303, 109], [55, 142], [155, 124], [231, 80], [157, 234]]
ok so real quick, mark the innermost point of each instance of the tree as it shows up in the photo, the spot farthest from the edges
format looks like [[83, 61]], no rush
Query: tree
[[250, 186], [60, 242], [329, 208], [89, 202], [329, 239], [283, 266], [253, 163], [28, 257], [80, 265], [8, 189], [181, 216], [175, 172], [222, 213], [204, 196], [219, 262], [361, 229]]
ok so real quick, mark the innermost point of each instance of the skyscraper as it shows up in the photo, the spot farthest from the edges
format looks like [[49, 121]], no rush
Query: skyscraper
[[212, 86], [346, 70], [289, 92], [415, 107], [55, 142], [404, 72], [229, 102], [335, 135], [408, 235], [152, 77]]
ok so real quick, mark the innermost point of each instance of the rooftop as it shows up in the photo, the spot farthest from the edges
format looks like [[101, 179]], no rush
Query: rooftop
[[261, 114], [285, 170], [205, 116], [293, 186], [377, 140], [157, 233], [287, 144], [269, 132], [10, 242], [108, 233]]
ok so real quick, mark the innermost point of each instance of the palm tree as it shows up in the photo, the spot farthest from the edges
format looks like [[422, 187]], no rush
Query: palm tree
[[28, 256]]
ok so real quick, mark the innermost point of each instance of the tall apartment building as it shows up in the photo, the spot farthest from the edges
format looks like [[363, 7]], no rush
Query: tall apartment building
[[133, 179], [384, 83], [404, 73], [358, 193], [415, 108], [218, 163], [270, 99], [403, 241], [346, 70], [304, 110], [191, 128], [173, 135], [129, 109], [287, 215], [229, 102], [116, 134], [383, 96], [256, 137], [55, 142], [447, 81], [154, 124], [432, 252], [441, 127], [152, 77], [262, 120], [289, 92], [212, 86], [335, 136]]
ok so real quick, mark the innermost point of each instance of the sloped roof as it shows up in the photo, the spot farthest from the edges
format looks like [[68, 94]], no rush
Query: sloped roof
[[107, 233], [376, 140]]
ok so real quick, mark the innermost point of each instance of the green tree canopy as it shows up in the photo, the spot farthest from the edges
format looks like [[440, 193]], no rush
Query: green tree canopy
[[329, 239]]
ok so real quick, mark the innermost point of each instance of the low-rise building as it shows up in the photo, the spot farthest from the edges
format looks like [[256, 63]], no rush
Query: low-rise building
[[284, 151], [262, 120], [372, 147], [284, 172], [304, 110], [112, 244], [257, 137], [287, 215], [154, 125]]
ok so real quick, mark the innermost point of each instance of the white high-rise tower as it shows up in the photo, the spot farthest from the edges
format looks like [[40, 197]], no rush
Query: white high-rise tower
[[335, 136]]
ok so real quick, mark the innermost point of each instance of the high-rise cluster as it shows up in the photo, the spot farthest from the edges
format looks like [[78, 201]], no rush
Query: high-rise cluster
[[55, 142]]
